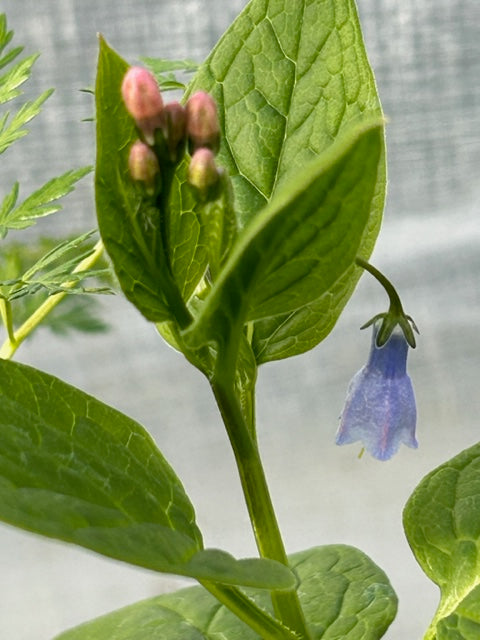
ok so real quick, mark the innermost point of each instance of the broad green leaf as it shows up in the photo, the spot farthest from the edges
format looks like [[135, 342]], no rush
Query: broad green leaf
[[289, 76], [464, 622], [299, 245], [41, 203], [297, 331], [75, 469], [442, 524], [344, 595], [186, 237], [155, 261]]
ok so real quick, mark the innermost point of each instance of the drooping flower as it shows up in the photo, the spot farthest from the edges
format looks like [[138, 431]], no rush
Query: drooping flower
[[380, 407]]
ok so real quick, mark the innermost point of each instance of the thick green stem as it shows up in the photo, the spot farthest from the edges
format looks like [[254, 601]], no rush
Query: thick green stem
[[260, 621], [257, 496]]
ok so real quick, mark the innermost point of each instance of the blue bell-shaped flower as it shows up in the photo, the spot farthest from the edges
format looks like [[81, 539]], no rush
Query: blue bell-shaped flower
[[380, 406]]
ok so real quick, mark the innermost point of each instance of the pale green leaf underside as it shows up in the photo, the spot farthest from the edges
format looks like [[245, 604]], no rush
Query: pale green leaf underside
[[442, 524], [75, 469], [344, 595]]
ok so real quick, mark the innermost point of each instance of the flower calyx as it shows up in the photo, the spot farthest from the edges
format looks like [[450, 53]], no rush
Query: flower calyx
[[395, 316]]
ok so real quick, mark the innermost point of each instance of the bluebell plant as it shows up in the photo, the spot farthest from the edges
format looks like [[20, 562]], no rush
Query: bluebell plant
[[380, 408], [234, 221]]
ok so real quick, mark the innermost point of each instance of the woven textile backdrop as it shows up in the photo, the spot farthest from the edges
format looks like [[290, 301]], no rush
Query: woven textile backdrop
[[426, 56]]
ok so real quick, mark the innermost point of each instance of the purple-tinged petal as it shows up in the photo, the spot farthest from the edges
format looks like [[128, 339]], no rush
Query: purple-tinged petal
[[380, 406]]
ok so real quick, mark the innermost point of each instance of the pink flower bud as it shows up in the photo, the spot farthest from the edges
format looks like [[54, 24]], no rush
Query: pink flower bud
[[203, 128], [175, 123], [143, 100], [202, 171], [143, 165]]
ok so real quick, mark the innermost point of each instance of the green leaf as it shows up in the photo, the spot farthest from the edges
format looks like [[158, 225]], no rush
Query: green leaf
[[289, 77], [442, 524], [56, 271], [76, 315], [464, 622], [15, 77], [5, 35], [186, 235], [40, 203], [295, 332], [75, 312], [12, 130], [164, 71], [75, 469], [301, 244], [344, 595], [156, 262], [9, 82]]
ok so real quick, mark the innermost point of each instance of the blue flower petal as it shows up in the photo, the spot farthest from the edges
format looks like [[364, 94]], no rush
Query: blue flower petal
[[380, 406]]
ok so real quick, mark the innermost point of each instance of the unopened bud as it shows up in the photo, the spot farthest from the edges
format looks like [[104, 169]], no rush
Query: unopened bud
[[143, 165], [203, 173], [175, 124], [143, 100], [203, 128]]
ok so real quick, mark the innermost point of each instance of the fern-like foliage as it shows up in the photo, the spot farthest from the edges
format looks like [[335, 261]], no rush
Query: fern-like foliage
[[30, 272]]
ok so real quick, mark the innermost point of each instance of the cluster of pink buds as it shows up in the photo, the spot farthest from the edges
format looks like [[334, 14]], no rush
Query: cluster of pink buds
[[165, 130], [203, 131]]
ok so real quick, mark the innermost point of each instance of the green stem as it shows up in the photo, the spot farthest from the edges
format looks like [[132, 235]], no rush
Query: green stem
[[257, 496], [13, 342], [6, 313], [395, 303], [243, 607]]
